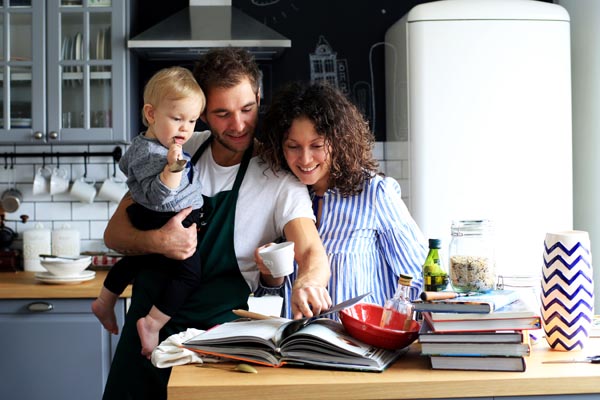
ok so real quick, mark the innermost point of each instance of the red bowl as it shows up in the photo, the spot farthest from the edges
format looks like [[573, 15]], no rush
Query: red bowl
[[361, 321]]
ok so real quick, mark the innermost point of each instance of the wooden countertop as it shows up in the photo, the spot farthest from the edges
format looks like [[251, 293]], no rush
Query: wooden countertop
[[409, 378], [23, 285]]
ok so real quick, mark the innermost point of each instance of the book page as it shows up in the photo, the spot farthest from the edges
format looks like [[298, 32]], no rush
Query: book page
[[329, 333], [255, 331]]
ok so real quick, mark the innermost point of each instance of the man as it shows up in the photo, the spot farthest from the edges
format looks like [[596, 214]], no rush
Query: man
[[245, 207]]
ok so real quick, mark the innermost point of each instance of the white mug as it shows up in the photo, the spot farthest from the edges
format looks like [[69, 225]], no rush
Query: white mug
[[59, 181], [278, 258], [113, 189], [41, 181], [84, 190]]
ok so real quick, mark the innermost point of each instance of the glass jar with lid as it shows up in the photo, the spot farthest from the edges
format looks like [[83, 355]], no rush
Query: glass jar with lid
[[472, 264]]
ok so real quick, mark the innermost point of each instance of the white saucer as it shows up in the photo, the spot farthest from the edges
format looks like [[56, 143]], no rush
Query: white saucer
[[47, 277]]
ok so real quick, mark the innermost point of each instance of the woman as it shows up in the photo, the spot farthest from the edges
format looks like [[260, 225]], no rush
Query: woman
[[315, 132]]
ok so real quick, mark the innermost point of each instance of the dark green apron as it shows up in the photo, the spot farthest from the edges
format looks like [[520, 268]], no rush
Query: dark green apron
[[222, 289]]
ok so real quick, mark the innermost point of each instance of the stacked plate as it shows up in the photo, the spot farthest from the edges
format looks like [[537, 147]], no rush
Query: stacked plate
[[65, 270], [48, 277]]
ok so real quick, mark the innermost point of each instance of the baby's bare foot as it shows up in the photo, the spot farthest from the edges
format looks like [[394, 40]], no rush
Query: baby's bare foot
[[106, 315], [148, 331]]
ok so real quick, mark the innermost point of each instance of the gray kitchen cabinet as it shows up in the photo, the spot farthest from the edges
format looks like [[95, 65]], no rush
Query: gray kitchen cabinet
[[63, 70], [54, 349]]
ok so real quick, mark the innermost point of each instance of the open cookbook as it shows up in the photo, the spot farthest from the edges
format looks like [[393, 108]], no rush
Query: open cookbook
[[309, 342]]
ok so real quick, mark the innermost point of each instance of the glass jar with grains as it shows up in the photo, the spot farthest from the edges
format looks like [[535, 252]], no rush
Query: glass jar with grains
[[471, 251]]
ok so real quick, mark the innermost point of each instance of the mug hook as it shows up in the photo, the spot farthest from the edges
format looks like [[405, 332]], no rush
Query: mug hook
[[85, 156]]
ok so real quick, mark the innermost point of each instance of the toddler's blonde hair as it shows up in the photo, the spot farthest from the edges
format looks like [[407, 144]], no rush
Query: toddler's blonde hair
[[173, 83]]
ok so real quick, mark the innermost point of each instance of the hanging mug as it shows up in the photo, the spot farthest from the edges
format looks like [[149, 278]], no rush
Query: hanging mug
[[112, 189], [59, 181], [83, 190], [41, 181]]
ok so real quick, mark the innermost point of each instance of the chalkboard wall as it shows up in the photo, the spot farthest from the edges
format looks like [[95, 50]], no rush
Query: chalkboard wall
[[351, 32]]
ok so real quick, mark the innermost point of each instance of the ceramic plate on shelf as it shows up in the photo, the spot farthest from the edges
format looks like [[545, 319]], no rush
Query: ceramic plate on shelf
[[78, 51], [47, 277], [99, 44]]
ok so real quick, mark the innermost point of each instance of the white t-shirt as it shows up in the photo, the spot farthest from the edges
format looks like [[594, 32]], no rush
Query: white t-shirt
[[266, 203]]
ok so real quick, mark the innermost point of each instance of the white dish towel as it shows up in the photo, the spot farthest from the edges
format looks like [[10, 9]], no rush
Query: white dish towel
[[169, 353]]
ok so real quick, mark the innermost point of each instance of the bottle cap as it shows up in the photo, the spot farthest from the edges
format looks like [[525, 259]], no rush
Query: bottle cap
[[405, 280], [435, 243]]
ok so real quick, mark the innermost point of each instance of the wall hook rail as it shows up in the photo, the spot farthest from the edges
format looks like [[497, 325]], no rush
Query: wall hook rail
[[116, 155]]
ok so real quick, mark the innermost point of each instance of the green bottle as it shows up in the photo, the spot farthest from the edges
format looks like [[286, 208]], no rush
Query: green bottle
[[435, 276]]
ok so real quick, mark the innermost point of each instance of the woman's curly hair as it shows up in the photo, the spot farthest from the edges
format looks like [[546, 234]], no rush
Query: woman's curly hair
[[343, 127]]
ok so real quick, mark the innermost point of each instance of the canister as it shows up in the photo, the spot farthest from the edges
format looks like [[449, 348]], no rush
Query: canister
[[36, 241], [66, 241], [472, 262]]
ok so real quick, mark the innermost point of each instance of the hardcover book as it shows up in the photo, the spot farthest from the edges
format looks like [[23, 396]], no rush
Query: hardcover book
[[470, 303], [480, 349], [517, 316], [320, 343], [428, 335], [515, 364]]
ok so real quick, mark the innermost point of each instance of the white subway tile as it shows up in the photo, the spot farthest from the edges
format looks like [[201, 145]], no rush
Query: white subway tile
[[394, 168], [382, 167], [53, 211], [97, 229], [396, 150], [378, 151], [87, 212], [82, 226]]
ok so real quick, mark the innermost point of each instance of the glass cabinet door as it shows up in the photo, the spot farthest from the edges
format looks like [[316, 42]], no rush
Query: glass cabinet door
[[62, 71], [21, 69], [88, 79]]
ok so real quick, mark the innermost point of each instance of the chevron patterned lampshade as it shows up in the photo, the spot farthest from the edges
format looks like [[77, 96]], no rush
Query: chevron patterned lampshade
[[567, 290]]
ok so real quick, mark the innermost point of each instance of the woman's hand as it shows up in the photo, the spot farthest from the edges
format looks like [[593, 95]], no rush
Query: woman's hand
[[265, 275]]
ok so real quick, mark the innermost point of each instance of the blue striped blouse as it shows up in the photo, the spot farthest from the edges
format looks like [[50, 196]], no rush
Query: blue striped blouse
[[370, 238]]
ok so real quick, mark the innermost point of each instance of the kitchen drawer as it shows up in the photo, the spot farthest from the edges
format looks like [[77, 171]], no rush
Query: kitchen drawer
[[45, 306]]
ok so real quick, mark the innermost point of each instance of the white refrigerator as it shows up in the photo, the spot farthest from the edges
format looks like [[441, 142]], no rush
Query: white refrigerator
[[480, 92]]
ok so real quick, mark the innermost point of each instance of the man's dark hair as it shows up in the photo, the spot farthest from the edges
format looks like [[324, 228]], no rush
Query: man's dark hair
[[225, 68]]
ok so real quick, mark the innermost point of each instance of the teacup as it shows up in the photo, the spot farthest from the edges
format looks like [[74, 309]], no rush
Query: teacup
[[113, 189], [59, 181], [278, 258], [41, 181], [84, 190]]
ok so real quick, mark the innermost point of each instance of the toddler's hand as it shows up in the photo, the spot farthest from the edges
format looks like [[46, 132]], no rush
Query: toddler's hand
[[174, 154]]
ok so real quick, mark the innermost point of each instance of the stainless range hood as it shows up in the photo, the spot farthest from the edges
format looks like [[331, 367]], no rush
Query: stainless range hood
[[207, 24]]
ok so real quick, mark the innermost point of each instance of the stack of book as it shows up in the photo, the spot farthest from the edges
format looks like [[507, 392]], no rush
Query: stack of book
[[486, 332]]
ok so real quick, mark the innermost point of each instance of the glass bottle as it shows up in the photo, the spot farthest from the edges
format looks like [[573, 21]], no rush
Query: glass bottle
[[435, 276], [398, 311], [471, 251]]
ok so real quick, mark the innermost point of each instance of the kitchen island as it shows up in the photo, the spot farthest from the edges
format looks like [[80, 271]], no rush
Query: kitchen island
[[409, 378]]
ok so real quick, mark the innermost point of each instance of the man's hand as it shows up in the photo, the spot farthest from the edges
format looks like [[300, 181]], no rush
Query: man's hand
[[178, 242]]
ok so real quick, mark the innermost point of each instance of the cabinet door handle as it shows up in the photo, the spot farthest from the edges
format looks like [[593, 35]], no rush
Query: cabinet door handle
[[40, 306], [53, 135], [38, 135]]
